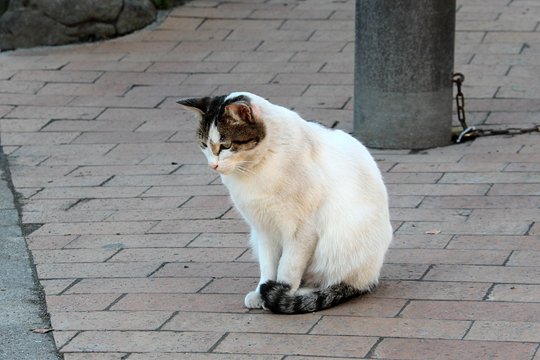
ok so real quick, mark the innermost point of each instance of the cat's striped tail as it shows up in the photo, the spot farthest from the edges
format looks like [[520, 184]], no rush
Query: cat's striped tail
[[277, 298]]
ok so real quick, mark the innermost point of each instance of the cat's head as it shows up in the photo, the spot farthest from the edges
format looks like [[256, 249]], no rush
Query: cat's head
[[230, 131]]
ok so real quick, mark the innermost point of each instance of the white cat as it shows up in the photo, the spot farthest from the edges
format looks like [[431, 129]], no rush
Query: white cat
[[313, 197]]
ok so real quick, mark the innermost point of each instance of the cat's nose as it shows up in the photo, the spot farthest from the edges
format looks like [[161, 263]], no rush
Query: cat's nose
[[214, 166]]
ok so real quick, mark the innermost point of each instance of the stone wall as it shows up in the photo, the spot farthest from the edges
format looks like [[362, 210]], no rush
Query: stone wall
[[28, 23]]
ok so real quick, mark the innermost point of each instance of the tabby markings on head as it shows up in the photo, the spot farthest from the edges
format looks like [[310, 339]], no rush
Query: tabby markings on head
[[227, 123]]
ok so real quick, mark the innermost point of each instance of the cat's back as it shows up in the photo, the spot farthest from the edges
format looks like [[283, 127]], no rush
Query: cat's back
[[346, 164], [337, 148]]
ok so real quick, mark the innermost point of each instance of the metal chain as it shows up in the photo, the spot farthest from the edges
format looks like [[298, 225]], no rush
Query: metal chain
[[471, 132]]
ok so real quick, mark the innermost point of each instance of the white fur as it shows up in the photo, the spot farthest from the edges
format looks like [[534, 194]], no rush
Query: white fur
[[315, 201]]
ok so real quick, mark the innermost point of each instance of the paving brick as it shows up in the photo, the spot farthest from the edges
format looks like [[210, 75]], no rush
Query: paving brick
[[90, 192], [95, 270], [211, 226], [220, 240], [125, 170], [84, 302], [117, 101], [402, 241], [227, 303], [291, 14], [230, 56], [115, 137], [266, 90], [515, 189], [414, 214], [524, 258], [138, 285], [301, 46], [431, 290], [493, 227], [97, 65], [241, 285], [481, 202], [20, 87], [495, 242], [62, 337], [194, 12], [311, 345], [207, 356], [392, 327], [57, 76], [496, 178], [178, 91], [436, 256], [515, 292], [190, 67], [142, 341], [163, 180], [178, 254], [496, 274], [215, 45], [56, 286], [91, 126], [451, 349], [448, 167], [48, 242], [253, 323], [65, 151], [437, 189], [472, 310], [56, 112], [405, 201], [93, 356], [109, 320], [504, 214], [173, 22], [45, 205], [131, 203], [208, 269], [96, 89], [100, 228], [175, 35], [299, 68], [166, 214], [131, 241], [505, 331], [71, 255], [412, 178], [24, 138]]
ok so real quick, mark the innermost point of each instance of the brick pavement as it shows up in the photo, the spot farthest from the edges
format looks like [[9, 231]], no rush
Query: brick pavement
[[135, 241]]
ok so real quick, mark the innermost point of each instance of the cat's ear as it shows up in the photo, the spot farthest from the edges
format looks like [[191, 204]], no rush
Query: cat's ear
[[239, 112], [198, 104]]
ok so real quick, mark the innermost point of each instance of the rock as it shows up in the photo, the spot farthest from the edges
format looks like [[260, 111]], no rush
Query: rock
[[135, 15], [92, 31], [29, 23], [3, 6], [69, 12], [18, 29]]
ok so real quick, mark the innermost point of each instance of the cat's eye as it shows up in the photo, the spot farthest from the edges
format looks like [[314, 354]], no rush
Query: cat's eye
[[203, 145], [225, 146]]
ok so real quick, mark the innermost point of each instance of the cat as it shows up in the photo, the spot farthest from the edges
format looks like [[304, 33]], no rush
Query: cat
[[313, 196]]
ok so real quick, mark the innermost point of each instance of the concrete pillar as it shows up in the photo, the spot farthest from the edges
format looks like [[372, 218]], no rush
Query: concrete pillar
[[404, 59]]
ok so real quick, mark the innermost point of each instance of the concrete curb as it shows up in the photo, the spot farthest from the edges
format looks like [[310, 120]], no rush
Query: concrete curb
[[22, 304]]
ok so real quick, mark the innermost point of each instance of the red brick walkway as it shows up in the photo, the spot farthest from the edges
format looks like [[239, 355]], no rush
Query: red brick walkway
[[141, 255]]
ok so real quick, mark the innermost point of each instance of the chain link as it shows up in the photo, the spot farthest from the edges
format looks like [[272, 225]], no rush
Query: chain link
[[471, 132]]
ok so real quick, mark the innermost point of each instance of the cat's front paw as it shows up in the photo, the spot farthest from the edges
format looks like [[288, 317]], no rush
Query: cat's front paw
[[253, 300]]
